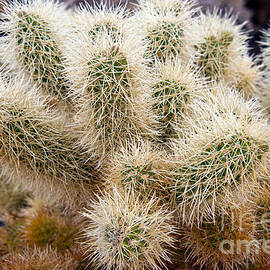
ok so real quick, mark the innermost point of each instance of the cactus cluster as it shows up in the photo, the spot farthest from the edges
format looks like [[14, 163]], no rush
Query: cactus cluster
[[132, 140], [126, 231]]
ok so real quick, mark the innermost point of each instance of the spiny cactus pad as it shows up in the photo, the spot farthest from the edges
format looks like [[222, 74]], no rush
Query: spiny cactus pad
[[40, 54], [37, 145], [127, 235], [169, 98], [164, 40], [222, 164], [213, 54]]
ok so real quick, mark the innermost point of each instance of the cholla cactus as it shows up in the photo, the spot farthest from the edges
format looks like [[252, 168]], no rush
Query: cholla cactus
[[4, 70], [245, 80], [165, 27], [221, 100], [142, 168], [265, 48], [37, 150], [219, 151], [152, 117], [111, 90], [226, 243], [174, 6], [101, 20], [220, 45], [124, 231], [35, 32], [175, 87]]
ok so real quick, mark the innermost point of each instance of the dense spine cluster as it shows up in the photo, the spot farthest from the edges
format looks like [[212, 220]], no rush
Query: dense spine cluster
[[220, 152], [164, 27], [142, 168], [110, 90], [36, 145], [128, 232], [221, 52], [175, 87]]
